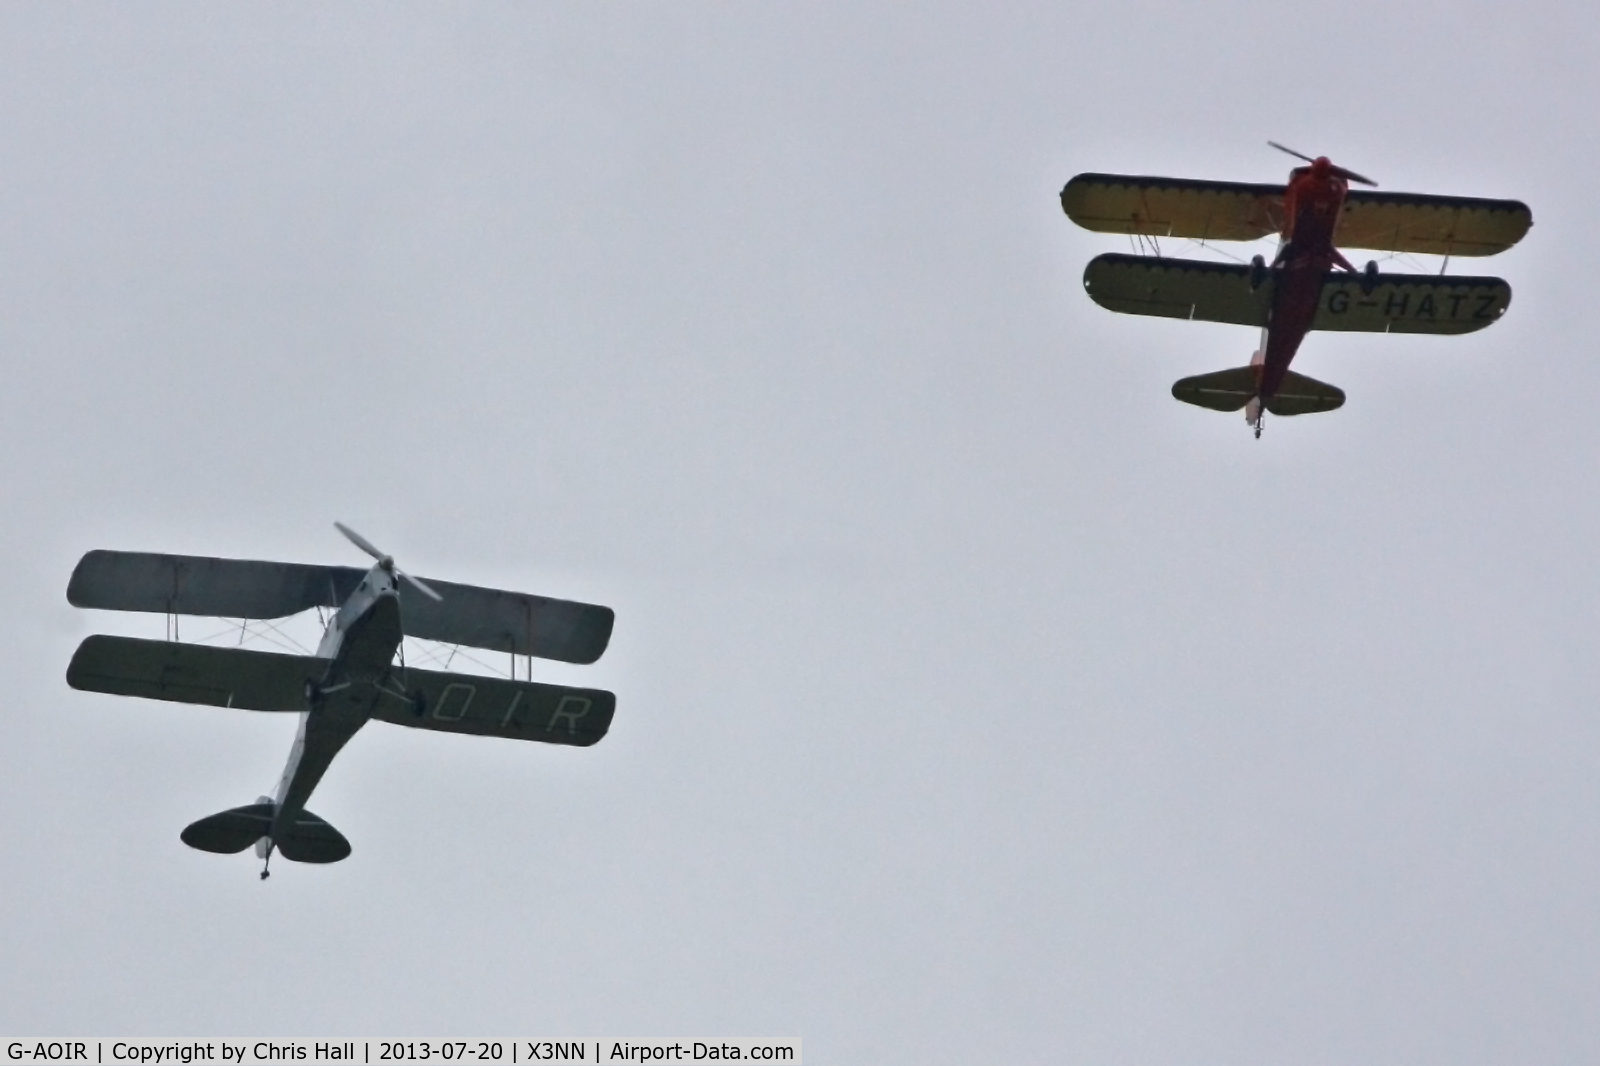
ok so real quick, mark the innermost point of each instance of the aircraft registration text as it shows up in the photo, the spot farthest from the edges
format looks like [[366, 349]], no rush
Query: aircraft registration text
[[517, 1052]]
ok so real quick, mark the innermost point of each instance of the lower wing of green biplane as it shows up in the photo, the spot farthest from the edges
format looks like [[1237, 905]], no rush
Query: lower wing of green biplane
[[1222, 292], [269, 681]]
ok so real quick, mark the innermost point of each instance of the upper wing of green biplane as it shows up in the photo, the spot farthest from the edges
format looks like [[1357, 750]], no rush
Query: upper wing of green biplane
[[194, 584], [517, 622], [1220, 292], [1237, 211], [245, 588]]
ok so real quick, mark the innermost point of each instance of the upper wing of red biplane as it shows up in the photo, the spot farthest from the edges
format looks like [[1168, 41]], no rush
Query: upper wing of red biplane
[[1433, 225], [1237, 211], [1174, 207]]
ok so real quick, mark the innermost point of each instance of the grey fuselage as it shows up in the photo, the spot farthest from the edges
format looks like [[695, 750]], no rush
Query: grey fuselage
[[359, 644]]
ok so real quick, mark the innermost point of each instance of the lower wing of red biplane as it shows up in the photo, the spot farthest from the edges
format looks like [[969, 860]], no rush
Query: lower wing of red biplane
[[1223, 292]]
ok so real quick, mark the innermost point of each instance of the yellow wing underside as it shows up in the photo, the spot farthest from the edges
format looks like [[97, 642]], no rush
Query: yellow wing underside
[[1221, 292], [1237, 211]]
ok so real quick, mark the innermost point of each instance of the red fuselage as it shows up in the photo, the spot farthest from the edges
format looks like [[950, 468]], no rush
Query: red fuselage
[[1312, 206]]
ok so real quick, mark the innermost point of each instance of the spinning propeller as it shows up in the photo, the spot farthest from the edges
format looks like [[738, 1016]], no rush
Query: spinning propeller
[[1347, 175], [384, 560]]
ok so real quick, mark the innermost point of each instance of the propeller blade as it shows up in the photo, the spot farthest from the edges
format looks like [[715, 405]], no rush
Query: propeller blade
[[1347, 175], [1291, 151], [363, 543], [421, 586], [385, 561]]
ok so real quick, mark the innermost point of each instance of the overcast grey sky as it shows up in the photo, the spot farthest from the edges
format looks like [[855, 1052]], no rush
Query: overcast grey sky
[[977, 701]]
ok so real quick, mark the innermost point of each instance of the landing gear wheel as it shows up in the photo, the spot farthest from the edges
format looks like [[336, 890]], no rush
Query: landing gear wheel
[[1369, 277], [313, 693], [1258, 273]]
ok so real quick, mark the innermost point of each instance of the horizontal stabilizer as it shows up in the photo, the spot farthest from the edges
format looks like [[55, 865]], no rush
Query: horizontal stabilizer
[[1300, 395], [1220, 292], [194, 673], [1223, 390], [1230, 390], [497, 707], [228, 833], [312, 840], [477, 617]]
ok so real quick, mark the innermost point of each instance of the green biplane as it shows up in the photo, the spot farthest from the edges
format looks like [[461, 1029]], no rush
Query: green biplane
[[352, 678]]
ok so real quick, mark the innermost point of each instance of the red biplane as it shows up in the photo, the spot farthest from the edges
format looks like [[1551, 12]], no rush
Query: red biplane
[[1300, 290]]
